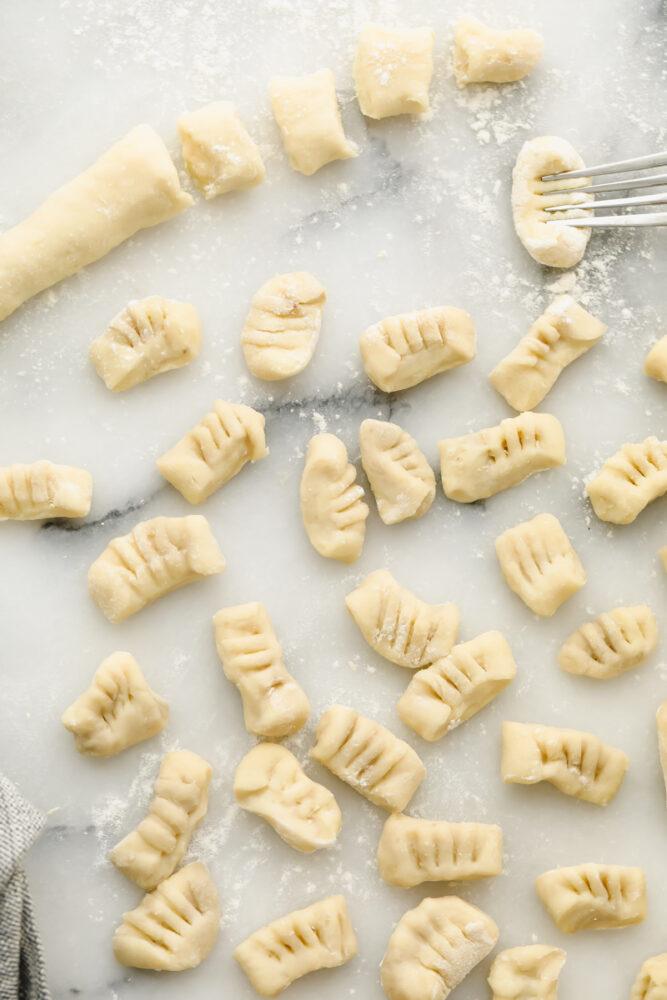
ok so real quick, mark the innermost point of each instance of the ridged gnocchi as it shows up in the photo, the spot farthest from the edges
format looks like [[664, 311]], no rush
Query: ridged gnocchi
[[283, 326], [401, 479], [651, 981], [41, 490], [617, 641], [593, 896], [630, 480], [333, 511], [528, 972]]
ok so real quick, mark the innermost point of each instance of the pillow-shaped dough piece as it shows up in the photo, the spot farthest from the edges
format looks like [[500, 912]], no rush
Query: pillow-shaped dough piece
[[274, 705], [562, 334], [174, 927], [656, 361], [401, 479], [617, 641], [392, 70], [118, 710], [412, 851], [434, 947], [317, 937], [457, 686], [283, 325], [402, 351], [219, 154], [529, 972], [593, 897], [479, 465], [651, 982], [629, 481], [155, 558], [214, 451], [368, 757], [306, 110], [547, 241], [576, 763], [153, 851], [271, 783], [132, 186], [334, 514], [661, 724], [486, 55], [398, 625], [41, 490], [539, 564]]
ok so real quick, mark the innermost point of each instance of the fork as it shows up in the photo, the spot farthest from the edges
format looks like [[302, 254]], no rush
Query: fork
[[620, 166]]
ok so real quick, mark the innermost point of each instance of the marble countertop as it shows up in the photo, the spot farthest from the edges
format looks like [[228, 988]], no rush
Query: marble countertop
[[420, 218]]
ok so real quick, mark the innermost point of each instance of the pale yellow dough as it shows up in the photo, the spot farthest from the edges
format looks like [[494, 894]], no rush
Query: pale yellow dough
[[173, 928], [368, 757], [214, 451], [147, 338], [401, 479], [577, 763], [651, 981], [412, 851], [630, 480], [132, 186], [434, 947], [392, 70], [318, 937], [402, 351], [400, 626], [656, 361], [529, 972], [539, 564], [156, 557], [593, 896], [271, 783], [218, 152], [274, 705], [334, 514], [562, 334], [617, 641], [41, 490], [306, 110], [283, 326], [486, 55], [118, 710], [479, 465], [457, 686]]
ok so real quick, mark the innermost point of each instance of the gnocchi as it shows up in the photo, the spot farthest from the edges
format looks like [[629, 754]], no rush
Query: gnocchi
[[630, 480], [656, 361], [219, 154], [651, 981], [41, 490], [593, 897], [529, 972], [306, 111], [392, 70], [661, 723], [401, 479], [334, 514], [412, 851], [485, 55], [617, 641]]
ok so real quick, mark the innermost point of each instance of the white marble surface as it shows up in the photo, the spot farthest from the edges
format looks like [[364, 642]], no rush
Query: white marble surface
[[420, 218]]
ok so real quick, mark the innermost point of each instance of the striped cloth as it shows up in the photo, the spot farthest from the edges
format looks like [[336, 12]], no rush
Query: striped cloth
[[22, 974]]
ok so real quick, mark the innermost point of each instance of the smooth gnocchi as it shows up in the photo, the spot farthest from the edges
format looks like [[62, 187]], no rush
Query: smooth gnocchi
[[219, 154], [630, 480], [486, 55], [617, 641], [593, 896], [529, 972], [401, 479], [333, 511], [306, 110], [655, 364], [43, 489], [392, 70]]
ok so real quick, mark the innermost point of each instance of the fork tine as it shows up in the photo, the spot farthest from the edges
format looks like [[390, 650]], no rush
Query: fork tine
[[638, 163], [614, 221], [625, 185], [646, 199]]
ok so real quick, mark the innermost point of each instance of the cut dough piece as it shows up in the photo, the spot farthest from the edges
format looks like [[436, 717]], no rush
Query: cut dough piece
[[593, 896], [318, 937], [412, 851], [546, 241], [539, 564], [617, 641], [402, 351], [271, 783], [33, 492], [576, 763], [274, 705], [283, 325], [434, 947], [485, 55], [334, 514], [173, 928], [149, 337], [656, 361], [218, 152], [479, 465], [306, 110], [368, 757], [452, 689], [562, 334], [651, 983], [392, 70], [118, 710], [398, 625], [156, 557], [215, 450], [401, 479], [132, 186], [661, 723], [529, 972], [154, 850], [630, 480]]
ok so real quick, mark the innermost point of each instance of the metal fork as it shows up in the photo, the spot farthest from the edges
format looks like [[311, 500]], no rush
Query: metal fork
[[611, 221]]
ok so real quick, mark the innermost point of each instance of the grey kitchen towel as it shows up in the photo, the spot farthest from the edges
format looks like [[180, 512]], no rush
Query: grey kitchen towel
[[22, 975]]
